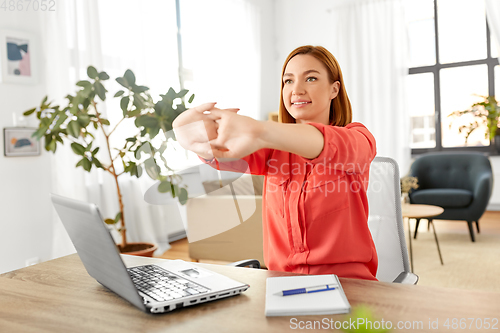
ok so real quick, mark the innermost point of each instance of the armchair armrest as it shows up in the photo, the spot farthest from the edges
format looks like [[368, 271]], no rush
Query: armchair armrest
[[483, 186], [252, 263], [406, 278]]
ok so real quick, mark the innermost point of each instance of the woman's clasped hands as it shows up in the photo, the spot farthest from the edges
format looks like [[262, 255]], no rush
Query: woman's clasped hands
[[221, 133]]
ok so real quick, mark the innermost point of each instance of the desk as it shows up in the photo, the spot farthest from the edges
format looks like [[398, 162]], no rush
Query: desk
[[414, 211], [59, 296]]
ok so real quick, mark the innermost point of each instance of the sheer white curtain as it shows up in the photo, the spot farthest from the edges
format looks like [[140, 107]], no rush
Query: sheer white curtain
[[83, 33], [141, 36], [71, 41], [221, 52], [493, 17], [370, 44]]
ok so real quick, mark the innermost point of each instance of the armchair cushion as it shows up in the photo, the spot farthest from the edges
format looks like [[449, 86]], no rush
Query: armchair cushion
[[443, 197]]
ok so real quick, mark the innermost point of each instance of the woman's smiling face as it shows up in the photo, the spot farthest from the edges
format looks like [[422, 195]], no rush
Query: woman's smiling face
[[307, 90]]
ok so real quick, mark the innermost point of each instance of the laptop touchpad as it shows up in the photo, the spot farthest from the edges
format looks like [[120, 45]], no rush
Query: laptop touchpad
[[194, 273]]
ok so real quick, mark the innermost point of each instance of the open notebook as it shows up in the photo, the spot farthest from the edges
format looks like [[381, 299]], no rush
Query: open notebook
[[320, 303]]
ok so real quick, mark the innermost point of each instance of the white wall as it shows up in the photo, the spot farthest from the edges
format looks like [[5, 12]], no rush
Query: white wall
[[269, 72], [25, 223]]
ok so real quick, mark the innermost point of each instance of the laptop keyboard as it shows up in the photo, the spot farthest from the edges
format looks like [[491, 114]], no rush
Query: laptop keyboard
[[162, 285]]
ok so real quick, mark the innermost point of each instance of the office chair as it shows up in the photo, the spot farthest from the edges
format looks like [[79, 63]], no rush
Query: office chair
[[385, 221], [461, 183]]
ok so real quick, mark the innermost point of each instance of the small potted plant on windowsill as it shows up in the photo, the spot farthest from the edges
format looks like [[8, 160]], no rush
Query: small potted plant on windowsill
[[408, 183], [79, 121], [485, 113]]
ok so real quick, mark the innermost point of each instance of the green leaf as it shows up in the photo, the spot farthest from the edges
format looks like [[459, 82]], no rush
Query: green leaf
[[183, 196], [78, 148], [182, 93], [146, 121], [83, 120], [139, 102], [39, 133], [87, 165], [74, 129], [171, 94], [92, 72], [134, 113], [124, 104], [139, 89], [52, 146], [164, 187], [110, 221], [118, 217], [84, 84], [152, 168], [95, 151], [103, 76], [119, 93], [97, 163], [123, 82], [143, 148], [30, 111], [133, 139], [45, 99], [153, 131], [101, 91], [62, 119], [191, 99], [180, 108], [130, 77], [132, 168], [105, 121]]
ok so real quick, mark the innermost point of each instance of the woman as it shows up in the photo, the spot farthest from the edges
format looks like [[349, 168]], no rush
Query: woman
[[316, 164]]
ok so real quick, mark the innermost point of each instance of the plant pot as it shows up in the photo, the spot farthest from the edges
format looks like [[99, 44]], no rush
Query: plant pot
[[138, 249]]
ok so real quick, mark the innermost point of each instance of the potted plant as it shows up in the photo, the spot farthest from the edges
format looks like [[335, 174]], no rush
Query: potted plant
[[78, 122], [407, 183], [486, 112]]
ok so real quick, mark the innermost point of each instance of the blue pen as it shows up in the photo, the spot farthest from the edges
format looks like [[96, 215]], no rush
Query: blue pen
[[308, 290]]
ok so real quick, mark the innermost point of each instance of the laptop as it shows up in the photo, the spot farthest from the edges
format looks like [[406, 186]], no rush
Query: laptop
[[156, 288]]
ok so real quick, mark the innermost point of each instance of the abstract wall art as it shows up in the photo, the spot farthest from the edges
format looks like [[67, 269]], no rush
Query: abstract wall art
[[17, 141], [17, 57]]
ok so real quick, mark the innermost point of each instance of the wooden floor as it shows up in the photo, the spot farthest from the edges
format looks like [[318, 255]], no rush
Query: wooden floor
[[180, 250], [489, 223]]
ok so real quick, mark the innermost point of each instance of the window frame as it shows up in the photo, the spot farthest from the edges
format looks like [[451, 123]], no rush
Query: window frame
[[435, 70]]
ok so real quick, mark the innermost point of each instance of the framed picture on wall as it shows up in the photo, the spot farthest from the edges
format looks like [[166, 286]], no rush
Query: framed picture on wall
[[18, 57], [17, 141]]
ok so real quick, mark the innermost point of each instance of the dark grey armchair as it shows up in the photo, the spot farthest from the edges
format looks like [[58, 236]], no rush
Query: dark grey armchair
[[461, 183]]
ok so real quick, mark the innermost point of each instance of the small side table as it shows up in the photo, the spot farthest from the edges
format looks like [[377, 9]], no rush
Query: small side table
[[413, 211]]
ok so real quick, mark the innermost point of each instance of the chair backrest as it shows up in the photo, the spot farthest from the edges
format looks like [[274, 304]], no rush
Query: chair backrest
[[449, 170], [385, 220]]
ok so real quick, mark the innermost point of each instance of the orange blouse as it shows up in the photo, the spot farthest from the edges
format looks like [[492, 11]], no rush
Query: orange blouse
[[315, 212]]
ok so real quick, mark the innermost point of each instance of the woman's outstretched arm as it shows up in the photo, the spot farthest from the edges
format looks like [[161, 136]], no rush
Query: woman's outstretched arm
[[239, 136]]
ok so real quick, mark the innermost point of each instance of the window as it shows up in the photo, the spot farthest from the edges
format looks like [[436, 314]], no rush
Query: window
[[452, 64]]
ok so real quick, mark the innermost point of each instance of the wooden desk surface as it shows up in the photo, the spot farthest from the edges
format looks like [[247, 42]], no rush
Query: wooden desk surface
[[59, 296], [416, 211]]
